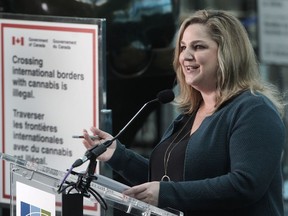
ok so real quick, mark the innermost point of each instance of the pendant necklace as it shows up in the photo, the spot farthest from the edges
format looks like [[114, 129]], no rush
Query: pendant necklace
[[170, 148]]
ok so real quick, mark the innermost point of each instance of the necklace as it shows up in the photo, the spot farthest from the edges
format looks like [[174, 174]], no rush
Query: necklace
[[170, 148]]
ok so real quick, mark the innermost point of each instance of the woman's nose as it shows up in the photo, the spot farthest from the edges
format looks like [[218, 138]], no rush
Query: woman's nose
[[188, 55]]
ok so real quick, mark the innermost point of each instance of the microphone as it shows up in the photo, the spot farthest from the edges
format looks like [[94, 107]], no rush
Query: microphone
[[164, 96]]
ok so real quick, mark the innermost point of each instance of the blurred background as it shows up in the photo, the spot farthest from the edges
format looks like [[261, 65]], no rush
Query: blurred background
[[139, 51]]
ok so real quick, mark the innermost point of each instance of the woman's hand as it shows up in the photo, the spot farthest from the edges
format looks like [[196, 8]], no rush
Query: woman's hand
[[102, 136], [147, 192]]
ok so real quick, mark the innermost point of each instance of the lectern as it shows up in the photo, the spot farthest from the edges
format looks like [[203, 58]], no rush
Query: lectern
[[102, 190]]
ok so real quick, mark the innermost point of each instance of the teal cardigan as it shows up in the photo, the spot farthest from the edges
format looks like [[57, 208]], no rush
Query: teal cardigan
[[232, 164]]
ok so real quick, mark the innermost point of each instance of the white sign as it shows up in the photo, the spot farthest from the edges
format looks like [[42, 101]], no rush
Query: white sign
[[32, 201], [273, 31], [50, 91]]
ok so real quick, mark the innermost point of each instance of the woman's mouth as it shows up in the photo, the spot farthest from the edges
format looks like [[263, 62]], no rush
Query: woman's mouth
[[191, 67]]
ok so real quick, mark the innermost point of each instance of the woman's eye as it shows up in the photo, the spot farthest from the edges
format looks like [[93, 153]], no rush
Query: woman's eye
[[182, 48], [197, 47]]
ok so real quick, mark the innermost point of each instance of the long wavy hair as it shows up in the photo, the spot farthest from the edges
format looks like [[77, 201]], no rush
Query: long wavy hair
[[238, 66]]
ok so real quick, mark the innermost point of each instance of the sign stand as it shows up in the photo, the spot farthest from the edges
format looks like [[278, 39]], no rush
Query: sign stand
[[53, 84]]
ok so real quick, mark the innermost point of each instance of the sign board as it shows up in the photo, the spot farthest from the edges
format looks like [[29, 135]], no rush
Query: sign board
[[273, 31], [52, 87], [32, 201]]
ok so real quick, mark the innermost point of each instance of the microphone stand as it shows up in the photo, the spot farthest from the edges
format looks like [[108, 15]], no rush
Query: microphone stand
[[90, 172], [82, 186]]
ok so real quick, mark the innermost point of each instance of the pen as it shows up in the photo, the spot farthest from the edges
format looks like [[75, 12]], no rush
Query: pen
[[92, 137]]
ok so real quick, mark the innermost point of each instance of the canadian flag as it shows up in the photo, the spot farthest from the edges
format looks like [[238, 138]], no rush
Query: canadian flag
[[16, 40]]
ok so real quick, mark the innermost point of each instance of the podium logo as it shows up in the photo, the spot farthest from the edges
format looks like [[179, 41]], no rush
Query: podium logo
[[18, 41], [31, 210]]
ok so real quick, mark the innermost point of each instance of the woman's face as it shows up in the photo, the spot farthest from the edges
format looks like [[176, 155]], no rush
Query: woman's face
[[198, 58]]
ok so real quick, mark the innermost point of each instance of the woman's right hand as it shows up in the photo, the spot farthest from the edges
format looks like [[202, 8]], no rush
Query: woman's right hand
[[102, 137]]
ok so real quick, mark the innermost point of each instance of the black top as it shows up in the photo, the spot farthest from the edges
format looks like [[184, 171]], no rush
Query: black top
[[175, 164]]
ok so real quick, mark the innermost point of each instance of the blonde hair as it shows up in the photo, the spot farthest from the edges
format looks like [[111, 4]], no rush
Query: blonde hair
[[238, 66]]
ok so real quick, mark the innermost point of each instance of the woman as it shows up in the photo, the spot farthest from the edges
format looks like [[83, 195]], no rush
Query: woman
[[222, 154]]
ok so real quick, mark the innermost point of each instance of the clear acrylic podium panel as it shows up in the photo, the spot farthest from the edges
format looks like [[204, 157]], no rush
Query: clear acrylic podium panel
[[48, 180], [33, 179]]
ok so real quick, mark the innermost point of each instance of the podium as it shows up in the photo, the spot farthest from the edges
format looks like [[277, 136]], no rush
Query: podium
[[105, 191]]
